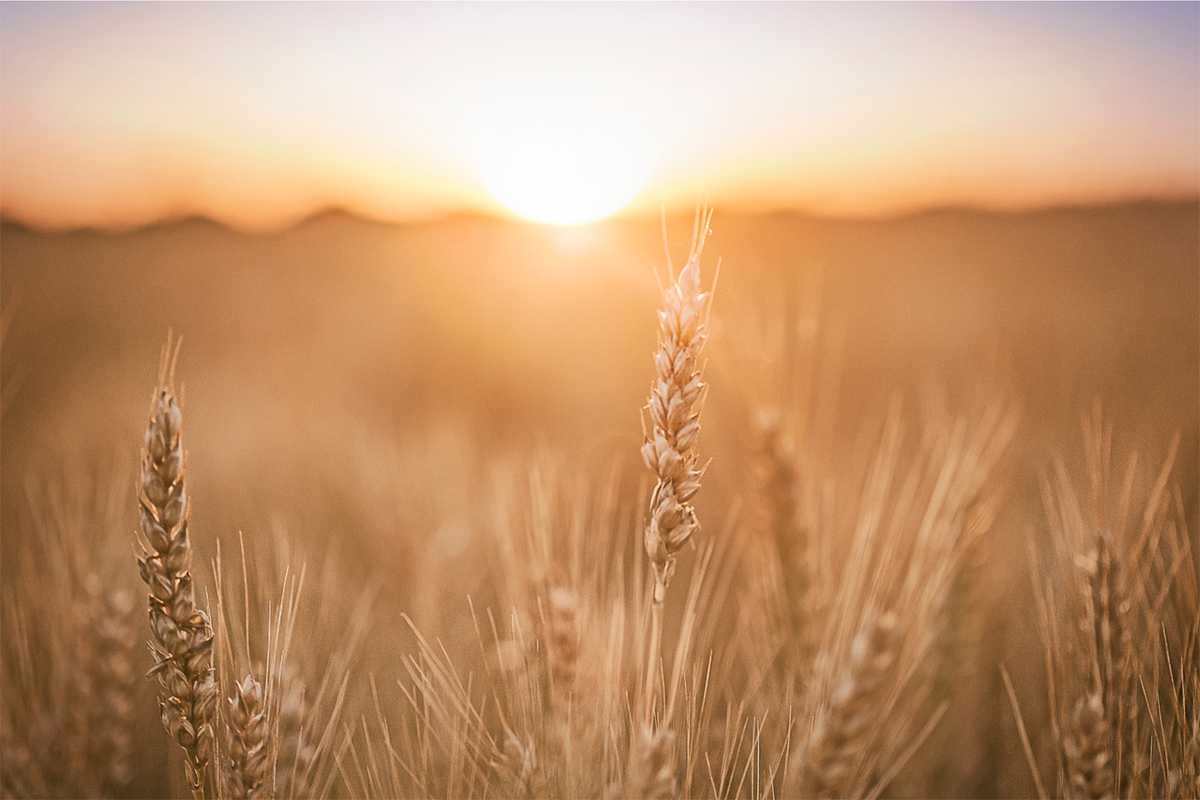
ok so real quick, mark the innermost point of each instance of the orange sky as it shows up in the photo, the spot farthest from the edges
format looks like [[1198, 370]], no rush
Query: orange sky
[[257, 114]]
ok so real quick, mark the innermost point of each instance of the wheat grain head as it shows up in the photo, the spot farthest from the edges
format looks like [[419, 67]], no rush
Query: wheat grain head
[[676, 397], [183, 634]]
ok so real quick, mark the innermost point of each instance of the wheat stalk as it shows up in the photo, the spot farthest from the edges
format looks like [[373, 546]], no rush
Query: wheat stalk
[[183, 634], [676, 397]]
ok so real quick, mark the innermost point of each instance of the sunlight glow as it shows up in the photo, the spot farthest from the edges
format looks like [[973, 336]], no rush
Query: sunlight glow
[[550, 180], [564, 146]]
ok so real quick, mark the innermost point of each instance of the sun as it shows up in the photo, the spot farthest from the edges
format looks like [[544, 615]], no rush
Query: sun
[[549, 178], [554, 143]]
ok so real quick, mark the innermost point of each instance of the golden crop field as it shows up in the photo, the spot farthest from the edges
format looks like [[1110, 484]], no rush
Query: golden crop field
[[905, 507]]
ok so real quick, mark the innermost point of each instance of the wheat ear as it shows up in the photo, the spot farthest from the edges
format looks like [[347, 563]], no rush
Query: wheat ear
[[779, 493], [669, 451], [248, 745], [1100, 748], [842, 733], [650, 773], [562, 635], [107, 647], [183, 635], [1089, 749], [294, 752], [676, 397], [22, 775]]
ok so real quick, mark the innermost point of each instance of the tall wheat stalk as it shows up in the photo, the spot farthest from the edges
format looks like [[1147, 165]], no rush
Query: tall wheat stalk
[[676, 397]]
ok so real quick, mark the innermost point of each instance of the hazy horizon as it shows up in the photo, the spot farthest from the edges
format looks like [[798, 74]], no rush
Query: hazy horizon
[[674, 216]]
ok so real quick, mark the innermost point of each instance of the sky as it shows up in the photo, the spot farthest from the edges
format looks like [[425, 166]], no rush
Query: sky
[[259, 114]]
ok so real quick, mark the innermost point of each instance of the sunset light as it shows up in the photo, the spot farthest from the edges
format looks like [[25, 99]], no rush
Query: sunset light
[[550, 180], [562, 145], [568, 112]]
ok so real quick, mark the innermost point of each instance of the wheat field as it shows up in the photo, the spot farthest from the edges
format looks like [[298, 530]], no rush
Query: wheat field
[[889, 508]]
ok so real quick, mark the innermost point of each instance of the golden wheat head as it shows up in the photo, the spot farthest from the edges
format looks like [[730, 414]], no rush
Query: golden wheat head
[[183, 634], [676, 397]]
